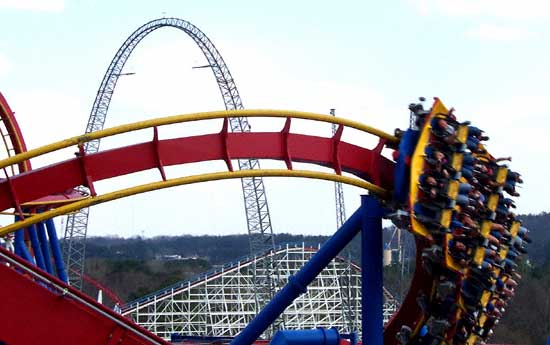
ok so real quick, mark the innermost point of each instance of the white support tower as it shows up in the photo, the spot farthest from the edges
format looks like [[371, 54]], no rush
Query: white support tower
[[221, 302]]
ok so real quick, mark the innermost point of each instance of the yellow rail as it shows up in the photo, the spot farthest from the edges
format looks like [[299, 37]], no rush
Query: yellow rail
[[189, 180], [190, 118]]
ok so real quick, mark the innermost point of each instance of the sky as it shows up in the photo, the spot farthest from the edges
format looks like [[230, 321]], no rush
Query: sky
[[368, 59]]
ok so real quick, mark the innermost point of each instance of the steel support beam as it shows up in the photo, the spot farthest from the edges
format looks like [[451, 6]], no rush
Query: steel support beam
[[298, 283], [372, 297], [338, 189]]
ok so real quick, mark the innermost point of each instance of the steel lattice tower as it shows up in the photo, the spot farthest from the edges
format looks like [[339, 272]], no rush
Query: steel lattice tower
[[349, 301], [338, 189], [255, 200]]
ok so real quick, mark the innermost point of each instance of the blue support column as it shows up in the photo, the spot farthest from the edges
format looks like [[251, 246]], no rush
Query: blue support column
[[297, 284], [353, 338], [371, 272], [37, 250], [43, 239], [319, 336], [56, 251], [20, 245]]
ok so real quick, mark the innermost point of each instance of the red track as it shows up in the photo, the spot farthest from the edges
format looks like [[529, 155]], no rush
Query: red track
[[76, 322], [288, 147], [14, 132], [35, 313], [409, 312], [31, 313]]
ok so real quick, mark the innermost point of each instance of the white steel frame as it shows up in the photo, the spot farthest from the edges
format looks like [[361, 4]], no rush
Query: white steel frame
[[222, 302]]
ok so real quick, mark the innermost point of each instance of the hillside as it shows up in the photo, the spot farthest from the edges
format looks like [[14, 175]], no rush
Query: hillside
[[215, 249], [131, 279], [221, 249]]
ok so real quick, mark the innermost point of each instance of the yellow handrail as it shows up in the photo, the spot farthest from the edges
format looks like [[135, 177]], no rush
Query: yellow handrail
[[189, 118], [87, 202]]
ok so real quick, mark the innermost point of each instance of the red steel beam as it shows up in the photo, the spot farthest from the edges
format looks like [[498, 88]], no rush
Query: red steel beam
[[63, 176], [16, 137], [35, 313], [409, 312]]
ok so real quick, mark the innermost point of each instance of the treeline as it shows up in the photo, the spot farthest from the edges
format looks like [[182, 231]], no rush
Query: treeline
[[221, 249], [130, 279], [527, 318], [539, 224], [216, 250]]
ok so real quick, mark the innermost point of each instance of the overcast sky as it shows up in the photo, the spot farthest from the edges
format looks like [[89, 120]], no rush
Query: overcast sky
[[367, 59]]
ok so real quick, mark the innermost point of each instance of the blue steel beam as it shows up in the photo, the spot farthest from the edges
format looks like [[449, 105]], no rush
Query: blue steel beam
[[372, 298], [20, 245], [37, 250], [56, 251], [45, 246], [297, 284], [319, 336]]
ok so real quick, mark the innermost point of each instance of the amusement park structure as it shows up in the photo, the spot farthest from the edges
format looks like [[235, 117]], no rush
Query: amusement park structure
[[440, 183], [221, 302], [255, 200]]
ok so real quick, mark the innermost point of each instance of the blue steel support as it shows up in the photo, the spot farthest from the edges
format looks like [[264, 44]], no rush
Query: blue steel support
[[353, 338], [371, 272], [319, 336], [41, 229], [297, 284], [56, 251], [16, 245], [37, 250], [20, 246]]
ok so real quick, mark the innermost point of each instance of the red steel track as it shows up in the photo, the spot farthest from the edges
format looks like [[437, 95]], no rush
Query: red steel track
[[41, 309], [75, 321], [288, 147]]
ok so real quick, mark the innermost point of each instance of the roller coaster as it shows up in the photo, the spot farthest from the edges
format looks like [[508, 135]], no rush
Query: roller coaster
[[441, 184], [220, 302]]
